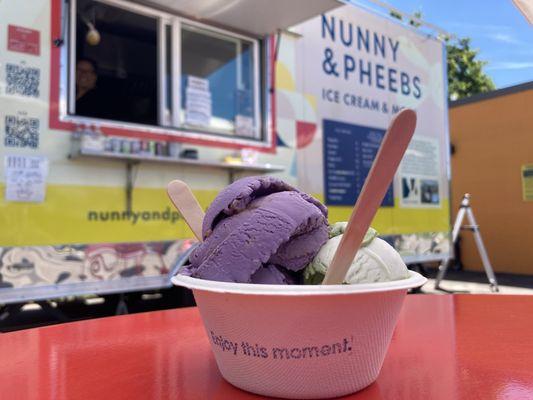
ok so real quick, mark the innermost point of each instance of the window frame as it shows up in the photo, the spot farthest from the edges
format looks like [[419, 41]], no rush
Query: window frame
[[180, 21], [263, 132]]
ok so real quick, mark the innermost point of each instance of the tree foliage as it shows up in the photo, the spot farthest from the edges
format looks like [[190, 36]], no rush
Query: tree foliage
[[465, 71]]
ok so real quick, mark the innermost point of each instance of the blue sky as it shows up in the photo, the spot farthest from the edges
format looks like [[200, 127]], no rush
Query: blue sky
[[496, 27]]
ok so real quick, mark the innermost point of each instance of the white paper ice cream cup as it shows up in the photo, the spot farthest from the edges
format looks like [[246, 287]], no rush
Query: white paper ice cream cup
[[292, 341]]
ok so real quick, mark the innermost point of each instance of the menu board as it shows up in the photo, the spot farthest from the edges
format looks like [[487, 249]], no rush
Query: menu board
[[349, 151]]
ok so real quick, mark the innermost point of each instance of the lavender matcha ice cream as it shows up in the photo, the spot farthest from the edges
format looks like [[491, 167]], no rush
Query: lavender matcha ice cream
[[259, 230]]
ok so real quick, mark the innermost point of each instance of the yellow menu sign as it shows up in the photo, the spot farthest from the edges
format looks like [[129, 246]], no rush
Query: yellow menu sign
[[527, 182]]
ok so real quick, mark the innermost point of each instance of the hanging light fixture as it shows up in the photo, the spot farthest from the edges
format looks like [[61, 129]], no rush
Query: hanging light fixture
[[93, 36]]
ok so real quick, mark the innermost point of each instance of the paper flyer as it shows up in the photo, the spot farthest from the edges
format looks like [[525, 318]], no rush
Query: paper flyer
[[25, 178], [198, 103]]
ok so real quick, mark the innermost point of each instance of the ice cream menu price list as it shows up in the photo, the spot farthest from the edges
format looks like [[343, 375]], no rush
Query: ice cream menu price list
[[349, 151]]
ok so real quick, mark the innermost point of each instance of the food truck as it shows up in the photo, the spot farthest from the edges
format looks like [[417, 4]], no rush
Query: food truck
[[103, 102]]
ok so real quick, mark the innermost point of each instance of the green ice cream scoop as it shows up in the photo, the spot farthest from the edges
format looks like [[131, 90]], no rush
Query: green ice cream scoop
[[376, 260]]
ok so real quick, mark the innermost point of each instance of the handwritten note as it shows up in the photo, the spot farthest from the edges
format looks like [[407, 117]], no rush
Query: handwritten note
[[25, 178]]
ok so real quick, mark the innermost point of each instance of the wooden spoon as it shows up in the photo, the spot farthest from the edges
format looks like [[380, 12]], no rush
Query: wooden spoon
[[183, 199], [390, 153]]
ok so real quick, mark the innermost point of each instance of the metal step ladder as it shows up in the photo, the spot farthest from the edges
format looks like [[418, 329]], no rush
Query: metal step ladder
[[465, 209]]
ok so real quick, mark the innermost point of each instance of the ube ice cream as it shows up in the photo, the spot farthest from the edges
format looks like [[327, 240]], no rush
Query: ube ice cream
[[259, 230], [375, 261], [262, 230]]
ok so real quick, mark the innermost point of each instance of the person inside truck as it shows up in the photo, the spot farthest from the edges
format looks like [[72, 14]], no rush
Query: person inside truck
[[89, 101]]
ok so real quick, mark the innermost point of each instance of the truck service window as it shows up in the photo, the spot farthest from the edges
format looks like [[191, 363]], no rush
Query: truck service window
[[132, 65], [217, 82], [116, 77]]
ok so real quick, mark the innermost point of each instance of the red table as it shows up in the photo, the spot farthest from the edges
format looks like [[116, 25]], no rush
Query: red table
[[444, 347]]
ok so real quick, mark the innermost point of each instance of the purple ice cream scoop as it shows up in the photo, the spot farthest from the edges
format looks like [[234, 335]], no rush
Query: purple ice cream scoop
[[259, 230]]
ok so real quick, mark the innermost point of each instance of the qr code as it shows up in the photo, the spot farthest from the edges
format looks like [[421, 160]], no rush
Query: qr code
[[22, 132], [22, 80]]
